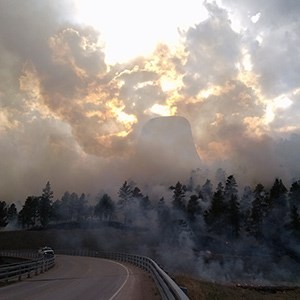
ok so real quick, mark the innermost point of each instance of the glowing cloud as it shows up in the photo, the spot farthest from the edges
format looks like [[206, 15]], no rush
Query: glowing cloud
[[133, 28], [161, 110], [80, 78]]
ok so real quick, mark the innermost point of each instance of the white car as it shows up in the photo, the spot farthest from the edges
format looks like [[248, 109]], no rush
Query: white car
[[46, 252]]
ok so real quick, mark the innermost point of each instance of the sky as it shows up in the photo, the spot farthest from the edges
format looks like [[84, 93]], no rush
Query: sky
[[79, 79]]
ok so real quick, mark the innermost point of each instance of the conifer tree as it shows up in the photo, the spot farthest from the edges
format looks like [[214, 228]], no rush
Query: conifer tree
[[193, 208], [45, 205], [105, 208], [277, 194], [12, 213], [179, 191], [231, 188], [215, 215], [3, 214], [234, 215], [258, 211], [294, 194], [125, 201], [29, 214]]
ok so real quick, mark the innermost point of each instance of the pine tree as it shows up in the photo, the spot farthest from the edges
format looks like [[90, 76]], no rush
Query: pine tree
[[125, 201], [3, 214], [193, 208], [231, 188], [145, 204], [12, 213], [164, 219], [125, 193], [294, 194], [215, 215], [45, 205], [81, 208], [258, 211], [105, 208], [277, 210], [65, 207], [29, 214], [179, 191], [234, 215], [278, 194]]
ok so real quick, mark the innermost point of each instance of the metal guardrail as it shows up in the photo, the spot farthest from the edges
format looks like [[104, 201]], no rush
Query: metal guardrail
[[167, 287], [33, 266]]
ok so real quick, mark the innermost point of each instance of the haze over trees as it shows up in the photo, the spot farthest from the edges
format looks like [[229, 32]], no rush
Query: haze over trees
[[220, 210], [225, 219]]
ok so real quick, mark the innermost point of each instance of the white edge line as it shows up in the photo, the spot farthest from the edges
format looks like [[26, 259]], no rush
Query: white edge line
[[127, 271]]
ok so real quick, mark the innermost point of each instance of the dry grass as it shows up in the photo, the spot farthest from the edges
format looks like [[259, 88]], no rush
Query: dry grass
[[202, 290]]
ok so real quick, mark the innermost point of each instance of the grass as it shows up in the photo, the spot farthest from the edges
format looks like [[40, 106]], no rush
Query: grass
[[202, 290]]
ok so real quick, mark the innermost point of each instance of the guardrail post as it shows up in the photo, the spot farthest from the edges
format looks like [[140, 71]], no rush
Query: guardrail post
[[36, 267]]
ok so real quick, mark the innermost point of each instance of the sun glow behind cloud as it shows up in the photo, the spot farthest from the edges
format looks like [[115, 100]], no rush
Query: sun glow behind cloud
[[134, 28], [95, 72]]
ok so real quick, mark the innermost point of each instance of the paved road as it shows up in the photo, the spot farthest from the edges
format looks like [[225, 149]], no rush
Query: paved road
[[84, 278]]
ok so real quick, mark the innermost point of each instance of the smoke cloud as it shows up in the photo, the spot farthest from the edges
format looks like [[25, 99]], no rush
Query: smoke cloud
[[70, 117]]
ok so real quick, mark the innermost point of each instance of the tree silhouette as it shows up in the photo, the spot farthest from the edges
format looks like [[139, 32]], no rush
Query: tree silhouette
[[277, 209], [125, 193], [277, 194], [45, 205], [193, 208], [81, 208], [145, 205], [179, 196], [126, 201], [258, 211], [3, 214], [234, 215], [294, 194], [231, 188], [29, 214], [295, 221], [215, 215], [12, 213], [105, 208]]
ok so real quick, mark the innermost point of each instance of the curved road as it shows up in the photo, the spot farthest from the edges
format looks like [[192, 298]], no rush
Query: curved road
[[84, 278]]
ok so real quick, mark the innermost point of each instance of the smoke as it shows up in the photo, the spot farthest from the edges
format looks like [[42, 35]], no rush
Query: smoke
[[69, 117]]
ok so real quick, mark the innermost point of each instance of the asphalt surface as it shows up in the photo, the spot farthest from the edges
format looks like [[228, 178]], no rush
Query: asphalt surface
[[83, 278]]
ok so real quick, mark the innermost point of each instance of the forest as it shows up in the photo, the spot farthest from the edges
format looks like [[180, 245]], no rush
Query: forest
[[251, 232]]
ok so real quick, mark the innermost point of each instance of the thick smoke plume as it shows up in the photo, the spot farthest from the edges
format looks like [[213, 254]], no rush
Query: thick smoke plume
[[69, 117]]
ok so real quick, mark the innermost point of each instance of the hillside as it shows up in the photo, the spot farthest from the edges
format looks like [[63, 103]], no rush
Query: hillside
[[101, 240]]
